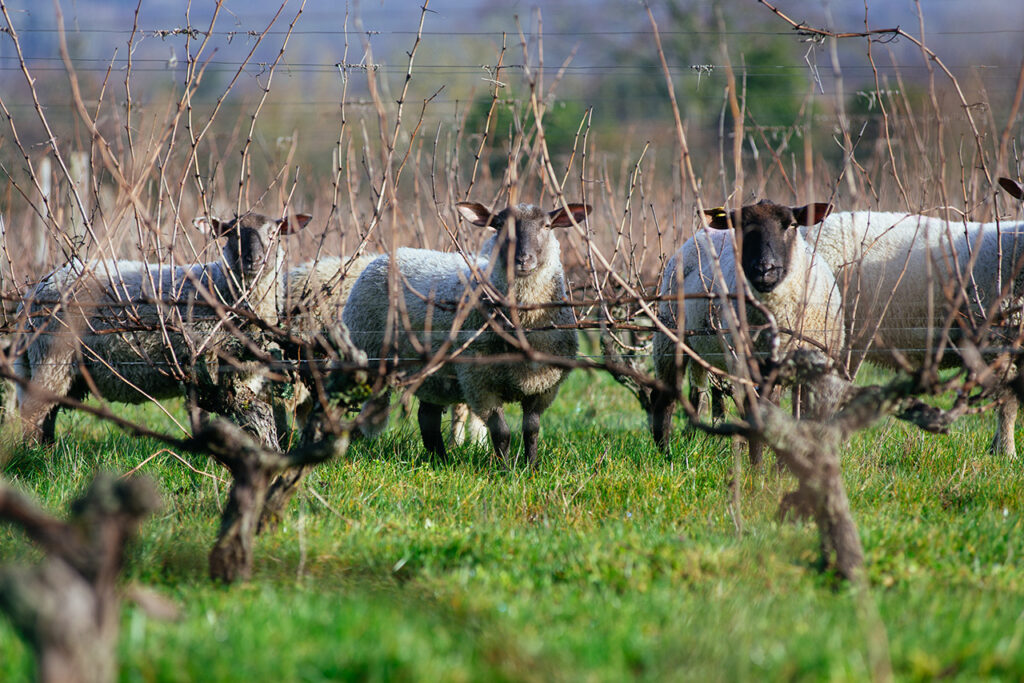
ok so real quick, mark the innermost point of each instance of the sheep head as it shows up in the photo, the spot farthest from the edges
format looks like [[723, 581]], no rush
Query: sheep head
[[767, 237], [525, 230], [250, 238]]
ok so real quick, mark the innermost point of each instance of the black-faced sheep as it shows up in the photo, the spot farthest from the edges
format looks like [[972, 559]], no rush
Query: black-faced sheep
[[780, 271]]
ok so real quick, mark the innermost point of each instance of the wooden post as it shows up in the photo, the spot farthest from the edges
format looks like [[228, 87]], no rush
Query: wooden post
[[42, 234]]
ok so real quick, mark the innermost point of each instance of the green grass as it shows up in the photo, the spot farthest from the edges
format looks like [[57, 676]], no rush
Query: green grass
[[607, 563]]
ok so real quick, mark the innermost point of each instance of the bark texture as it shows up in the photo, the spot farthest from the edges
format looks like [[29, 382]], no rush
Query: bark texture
[[67, 609], [265, 477], [810, 448], [337, 395]]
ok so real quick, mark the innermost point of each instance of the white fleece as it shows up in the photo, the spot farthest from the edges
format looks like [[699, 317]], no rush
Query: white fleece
[[897, 272], [806, 301], [433, 285], [164, 310]]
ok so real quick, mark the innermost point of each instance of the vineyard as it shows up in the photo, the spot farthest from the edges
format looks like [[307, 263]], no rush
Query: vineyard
[[366, 344]]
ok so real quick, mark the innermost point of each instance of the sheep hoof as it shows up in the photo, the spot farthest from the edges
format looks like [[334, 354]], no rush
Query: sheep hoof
[[1003, 447]]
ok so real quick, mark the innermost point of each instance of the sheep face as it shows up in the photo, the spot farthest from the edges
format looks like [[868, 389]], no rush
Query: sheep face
[[525, 231], [250, 238], [768, 240]]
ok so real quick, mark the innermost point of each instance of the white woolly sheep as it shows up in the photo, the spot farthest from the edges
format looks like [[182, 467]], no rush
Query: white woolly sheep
[[315, 292], [168, 329], [896, 273], [314, 296], [522, 262], [781, 273]]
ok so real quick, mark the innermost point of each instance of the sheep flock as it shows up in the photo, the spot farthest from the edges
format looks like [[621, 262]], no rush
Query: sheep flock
[[475, 331]]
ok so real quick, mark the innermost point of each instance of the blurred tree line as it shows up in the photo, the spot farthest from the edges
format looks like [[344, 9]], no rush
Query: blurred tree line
[[786, 81]]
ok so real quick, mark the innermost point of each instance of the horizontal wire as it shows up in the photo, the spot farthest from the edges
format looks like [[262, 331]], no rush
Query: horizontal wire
[[749, 69], [445, 70], [768, 125], [186, 30], [776, 94], [618, 358]]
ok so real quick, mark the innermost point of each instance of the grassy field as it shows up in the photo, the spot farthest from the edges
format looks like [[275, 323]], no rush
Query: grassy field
[[607, 563]]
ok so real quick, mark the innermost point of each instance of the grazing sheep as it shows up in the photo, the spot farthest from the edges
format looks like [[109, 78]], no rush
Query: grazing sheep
[[781, 273], [132, 331], [897, 273], [521, 262]]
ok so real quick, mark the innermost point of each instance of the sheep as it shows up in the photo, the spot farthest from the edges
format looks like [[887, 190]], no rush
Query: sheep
[[781, 273], [314, 297], [896, 273], [168, 332], [521, 262], [315, 292]]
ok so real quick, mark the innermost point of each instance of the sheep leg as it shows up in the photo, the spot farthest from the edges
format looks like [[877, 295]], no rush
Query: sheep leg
[[54, 372], [696, 398], [373, 419], [466, 426], [39, 422], [1003, 443], [663, 404], [48, 426], [701, 384], [533, 408], [755, 445], [717, 404], [460, 415], [531, 431], [476, 430], [501, 436], [429, 417]]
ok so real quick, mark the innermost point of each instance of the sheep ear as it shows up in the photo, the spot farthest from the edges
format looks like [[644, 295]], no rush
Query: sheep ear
[[289, 227], [477, 214], [811, 214], [717, 218], [210, 225], [1015, 189], [560, 217]]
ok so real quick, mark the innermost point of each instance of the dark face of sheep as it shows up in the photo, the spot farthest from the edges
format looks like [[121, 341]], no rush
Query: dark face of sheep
[[525, 230], [768, 237], [250, 237]]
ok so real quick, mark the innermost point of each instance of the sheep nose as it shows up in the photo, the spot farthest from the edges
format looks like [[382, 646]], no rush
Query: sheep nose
[[765, 275], [525, 264]]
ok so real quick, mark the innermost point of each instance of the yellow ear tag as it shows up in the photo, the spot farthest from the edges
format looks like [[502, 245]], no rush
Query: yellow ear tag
[[718, 212]]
